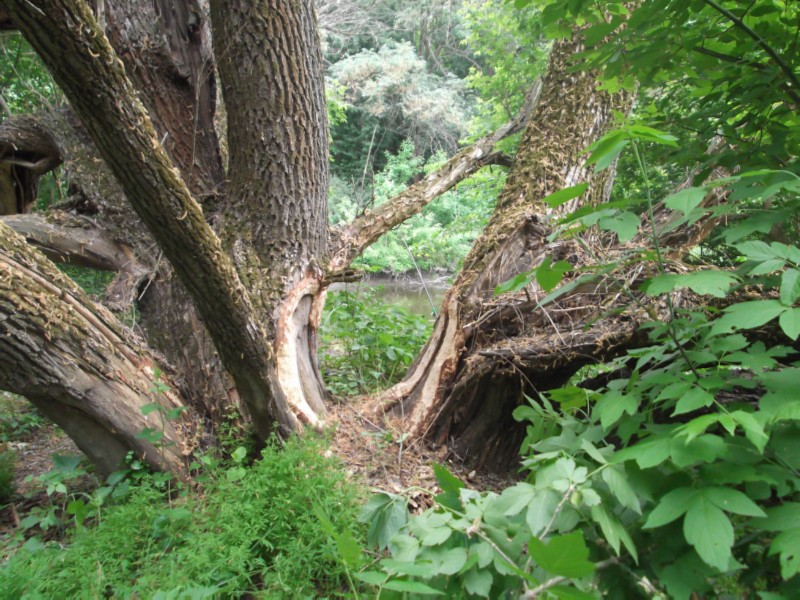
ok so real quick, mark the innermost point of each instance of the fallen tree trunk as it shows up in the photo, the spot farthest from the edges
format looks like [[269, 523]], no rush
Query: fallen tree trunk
[[69, 357]]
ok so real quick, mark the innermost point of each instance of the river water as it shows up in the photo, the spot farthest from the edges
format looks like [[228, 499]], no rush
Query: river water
[[407, 292]]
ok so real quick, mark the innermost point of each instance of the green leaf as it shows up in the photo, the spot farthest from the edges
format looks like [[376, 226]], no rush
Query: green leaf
[[349, 549], [708, 282], [624, 224], [672, 506], [565, 555], [436, 536], [790, 323], [150, 408], [685, 200], [450, 485], [403, 547], [753, 430], [564, 592], [709, 530], [613, 404], [451, 561], [478, 582], [564, 195], [613, 530], [549, 276], [790, 286], [780, 518], [650, 134], [413, 587], [757, 251], [647, 454], [733, 501], [515, 498], [787, 544], [693, 399], [604, 151], [386, 515], [239, 454], [617, 483], [516, 283], [541, 510], [747, 315], [768, 266], [371, 577]]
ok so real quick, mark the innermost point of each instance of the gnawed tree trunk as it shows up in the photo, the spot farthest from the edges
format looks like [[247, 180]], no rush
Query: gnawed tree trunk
[[464, 386], [70, 358], [252, 253]]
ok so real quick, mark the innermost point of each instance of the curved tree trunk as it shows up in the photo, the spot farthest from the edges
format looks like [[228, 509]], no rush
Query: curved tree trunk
[[464, 386]]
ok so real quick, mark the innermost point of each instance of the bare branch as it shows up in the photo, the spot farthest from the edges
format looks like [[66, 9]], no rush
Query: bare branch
[[352, 239]]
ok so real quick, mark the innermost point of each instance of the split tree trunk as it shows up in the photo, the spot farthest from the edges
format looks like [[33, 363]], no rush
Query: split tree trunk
[[477, 367]]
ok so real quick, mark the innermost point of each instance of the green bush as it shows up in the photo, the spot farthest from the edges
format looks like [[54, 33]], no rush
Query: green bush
[[367, 344], [7, 460], [250, 530]]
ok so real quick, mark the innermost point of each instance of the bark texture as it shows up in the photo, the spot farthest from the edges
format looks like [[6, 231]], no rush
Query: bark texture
[[479, 363], [69, 357], [276, 230], [70, 41]]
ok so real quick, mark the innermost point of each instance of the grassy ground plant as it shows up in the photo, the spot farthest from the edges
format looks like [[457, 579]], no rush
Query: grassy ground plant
[[249, 530]]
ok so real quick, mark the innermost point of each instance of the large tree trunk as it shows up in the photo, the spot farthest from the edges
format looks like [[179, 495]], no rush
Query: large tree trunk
[[244, 270], [68, 38], [484, 355]]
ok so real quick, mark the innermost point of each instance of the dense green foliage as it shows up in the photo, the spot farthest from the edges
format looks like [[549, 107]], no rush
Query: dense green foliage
[[367, 345], [674, 469], [246, 529], [407, 98], [7, 462], [670, 471]]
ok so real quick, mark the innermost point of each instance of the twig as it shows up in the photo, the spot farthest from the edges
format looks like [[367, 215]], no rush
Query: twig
[[536, 592]]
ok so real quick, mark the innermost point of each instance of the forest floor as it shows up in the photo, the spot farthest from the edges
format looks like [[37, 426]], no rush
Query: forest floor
[[374, 453]]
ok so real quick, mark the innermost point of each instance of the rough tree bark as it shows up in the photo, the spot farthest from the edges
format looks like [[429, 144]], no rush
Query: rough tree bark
[[66, 34], [484, 355], [253, 252], [90, 376]]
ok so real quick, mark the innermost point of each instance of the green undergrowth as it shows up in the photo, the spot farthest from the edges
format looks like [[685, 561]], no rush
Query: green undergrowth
[[367, 345], [262, 530]]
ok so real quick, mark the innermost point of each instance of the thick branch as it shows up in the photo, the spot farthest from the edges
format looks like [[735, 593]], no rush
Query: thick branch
[[71, 43], [27, 152], [351, 240], [72, 240]]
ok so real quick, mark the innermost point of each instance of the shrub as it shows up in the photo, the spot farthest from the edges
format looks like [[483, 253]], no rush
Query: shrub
[[367, 344]]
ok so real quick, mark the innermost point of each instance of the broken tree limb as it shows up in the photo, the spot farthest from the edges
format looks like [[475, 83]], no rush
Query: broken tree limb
[[77, 240], [72, 359], [350, 241]]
